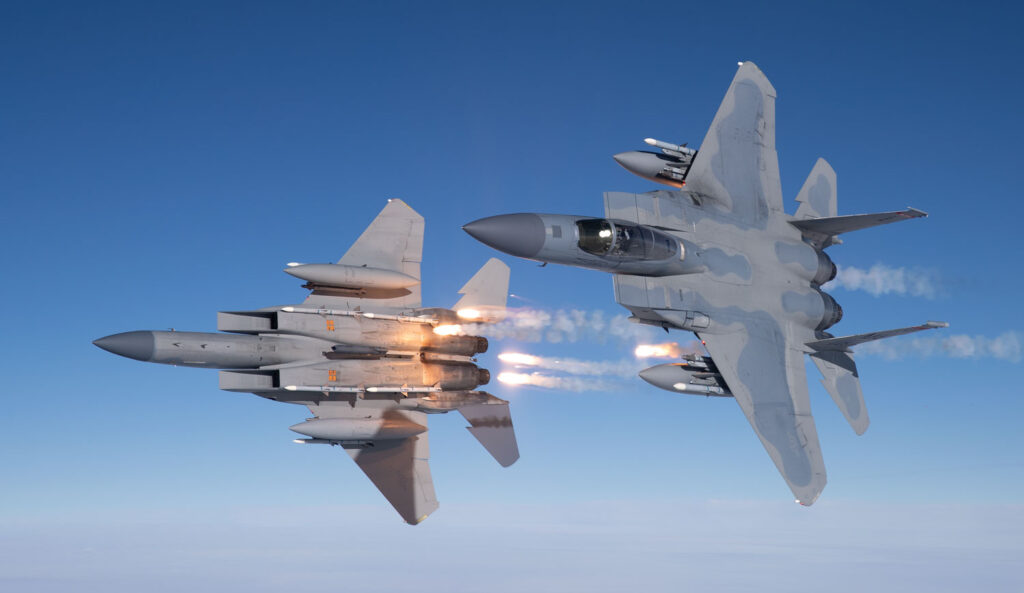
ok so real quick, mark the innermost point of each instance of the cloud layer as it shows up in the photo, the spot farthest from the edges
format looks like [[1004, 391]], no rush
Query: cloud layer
[[1006, 346]]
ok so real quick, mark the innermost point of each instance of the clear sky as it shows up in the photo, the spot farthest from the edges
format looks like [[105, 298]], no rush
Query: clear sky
[[158, 164]]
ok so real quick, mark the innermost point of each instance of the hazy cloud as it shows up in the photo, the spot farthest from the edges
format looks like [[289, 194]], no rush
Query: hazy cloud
[[1005, 346]]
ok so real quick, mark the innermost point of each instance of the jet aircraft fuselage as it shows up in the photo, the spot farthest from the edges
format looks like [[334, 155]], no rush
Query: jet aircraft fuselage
[[720, 257]]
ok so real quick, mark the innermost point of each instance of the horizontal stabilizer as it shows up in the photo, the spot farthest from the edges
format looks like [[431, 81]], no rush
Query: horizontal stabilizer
[[822, 230], [492, 426], [486, 293], [846, 342], [840, 379]]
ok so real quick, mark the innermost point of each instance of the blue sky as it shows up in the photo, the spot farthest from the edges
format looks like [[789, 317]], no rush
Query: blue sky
[[158, 164]]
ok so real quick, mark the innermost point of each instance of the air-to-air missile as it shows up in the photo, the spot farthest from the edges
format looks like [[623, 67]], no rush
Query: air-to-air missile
[[363, 355]]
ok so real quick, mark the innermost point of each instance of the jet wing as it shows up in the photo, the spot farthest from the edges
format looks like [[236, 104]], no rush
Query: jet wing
[[393, 241], [765, 372], [737, 166], [399, 468]]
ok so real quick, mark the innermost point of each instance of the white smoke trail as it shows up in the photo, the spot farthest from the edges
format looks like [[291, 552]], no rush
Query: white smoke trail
[[573, 366], [880, 279], [1005, 346], [586, 375], [576, 384], [563, 325]]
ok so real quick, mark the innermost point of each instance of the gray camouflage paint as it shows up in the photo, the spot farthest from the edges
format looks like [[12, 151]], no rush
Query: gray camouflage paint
[[733, 196], [752, 291]]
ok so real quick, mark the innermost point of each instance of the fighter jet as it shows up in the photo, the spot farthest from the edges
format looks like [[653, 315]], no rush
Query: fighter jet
[[363, 355], [720, 257]]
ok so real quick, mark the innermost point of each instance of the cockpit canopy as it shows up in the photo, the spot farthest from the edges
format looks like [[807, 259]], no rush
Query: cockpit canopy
[[600, 236]]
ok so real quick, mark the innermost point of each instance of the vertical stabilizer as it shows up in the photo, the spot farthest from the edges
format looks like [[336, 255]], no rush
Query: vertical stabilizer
[[817, 197], [486, 292]]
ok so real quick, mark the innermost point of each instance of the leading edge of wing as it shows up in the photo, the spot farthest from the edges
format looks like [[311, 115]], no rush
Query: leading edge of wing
[[766, 374], [737, 165]]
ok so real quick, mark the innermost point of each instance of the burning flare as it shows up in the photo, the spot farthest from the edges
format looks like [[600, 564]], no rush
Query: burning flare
[[448, 330], [520, 359], [666, 350], [559, 383], [669, 350], [514, 378]]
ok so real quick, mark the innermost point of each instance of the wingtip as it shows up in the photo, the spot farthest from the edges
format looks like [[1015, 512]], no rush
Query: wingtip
[[508, 461], [417, 520], [808, 500]]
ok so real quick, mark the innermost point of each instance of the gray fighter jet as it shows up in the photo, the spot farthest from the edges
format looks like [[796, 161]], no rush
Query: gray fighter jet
[[363, 355], [720, 257]]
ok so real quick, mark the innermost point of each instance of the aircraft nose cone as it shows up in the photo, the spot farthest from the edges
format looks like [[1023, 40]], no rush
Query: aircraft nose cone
[[138, 344], [521, 235]]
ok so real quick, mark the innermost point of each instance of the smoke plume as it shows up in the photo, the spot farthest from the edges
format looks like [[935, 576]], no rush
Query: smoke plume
[[563, 325], [573, 366], [881, 280], [1005, 346], [576, 384]]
